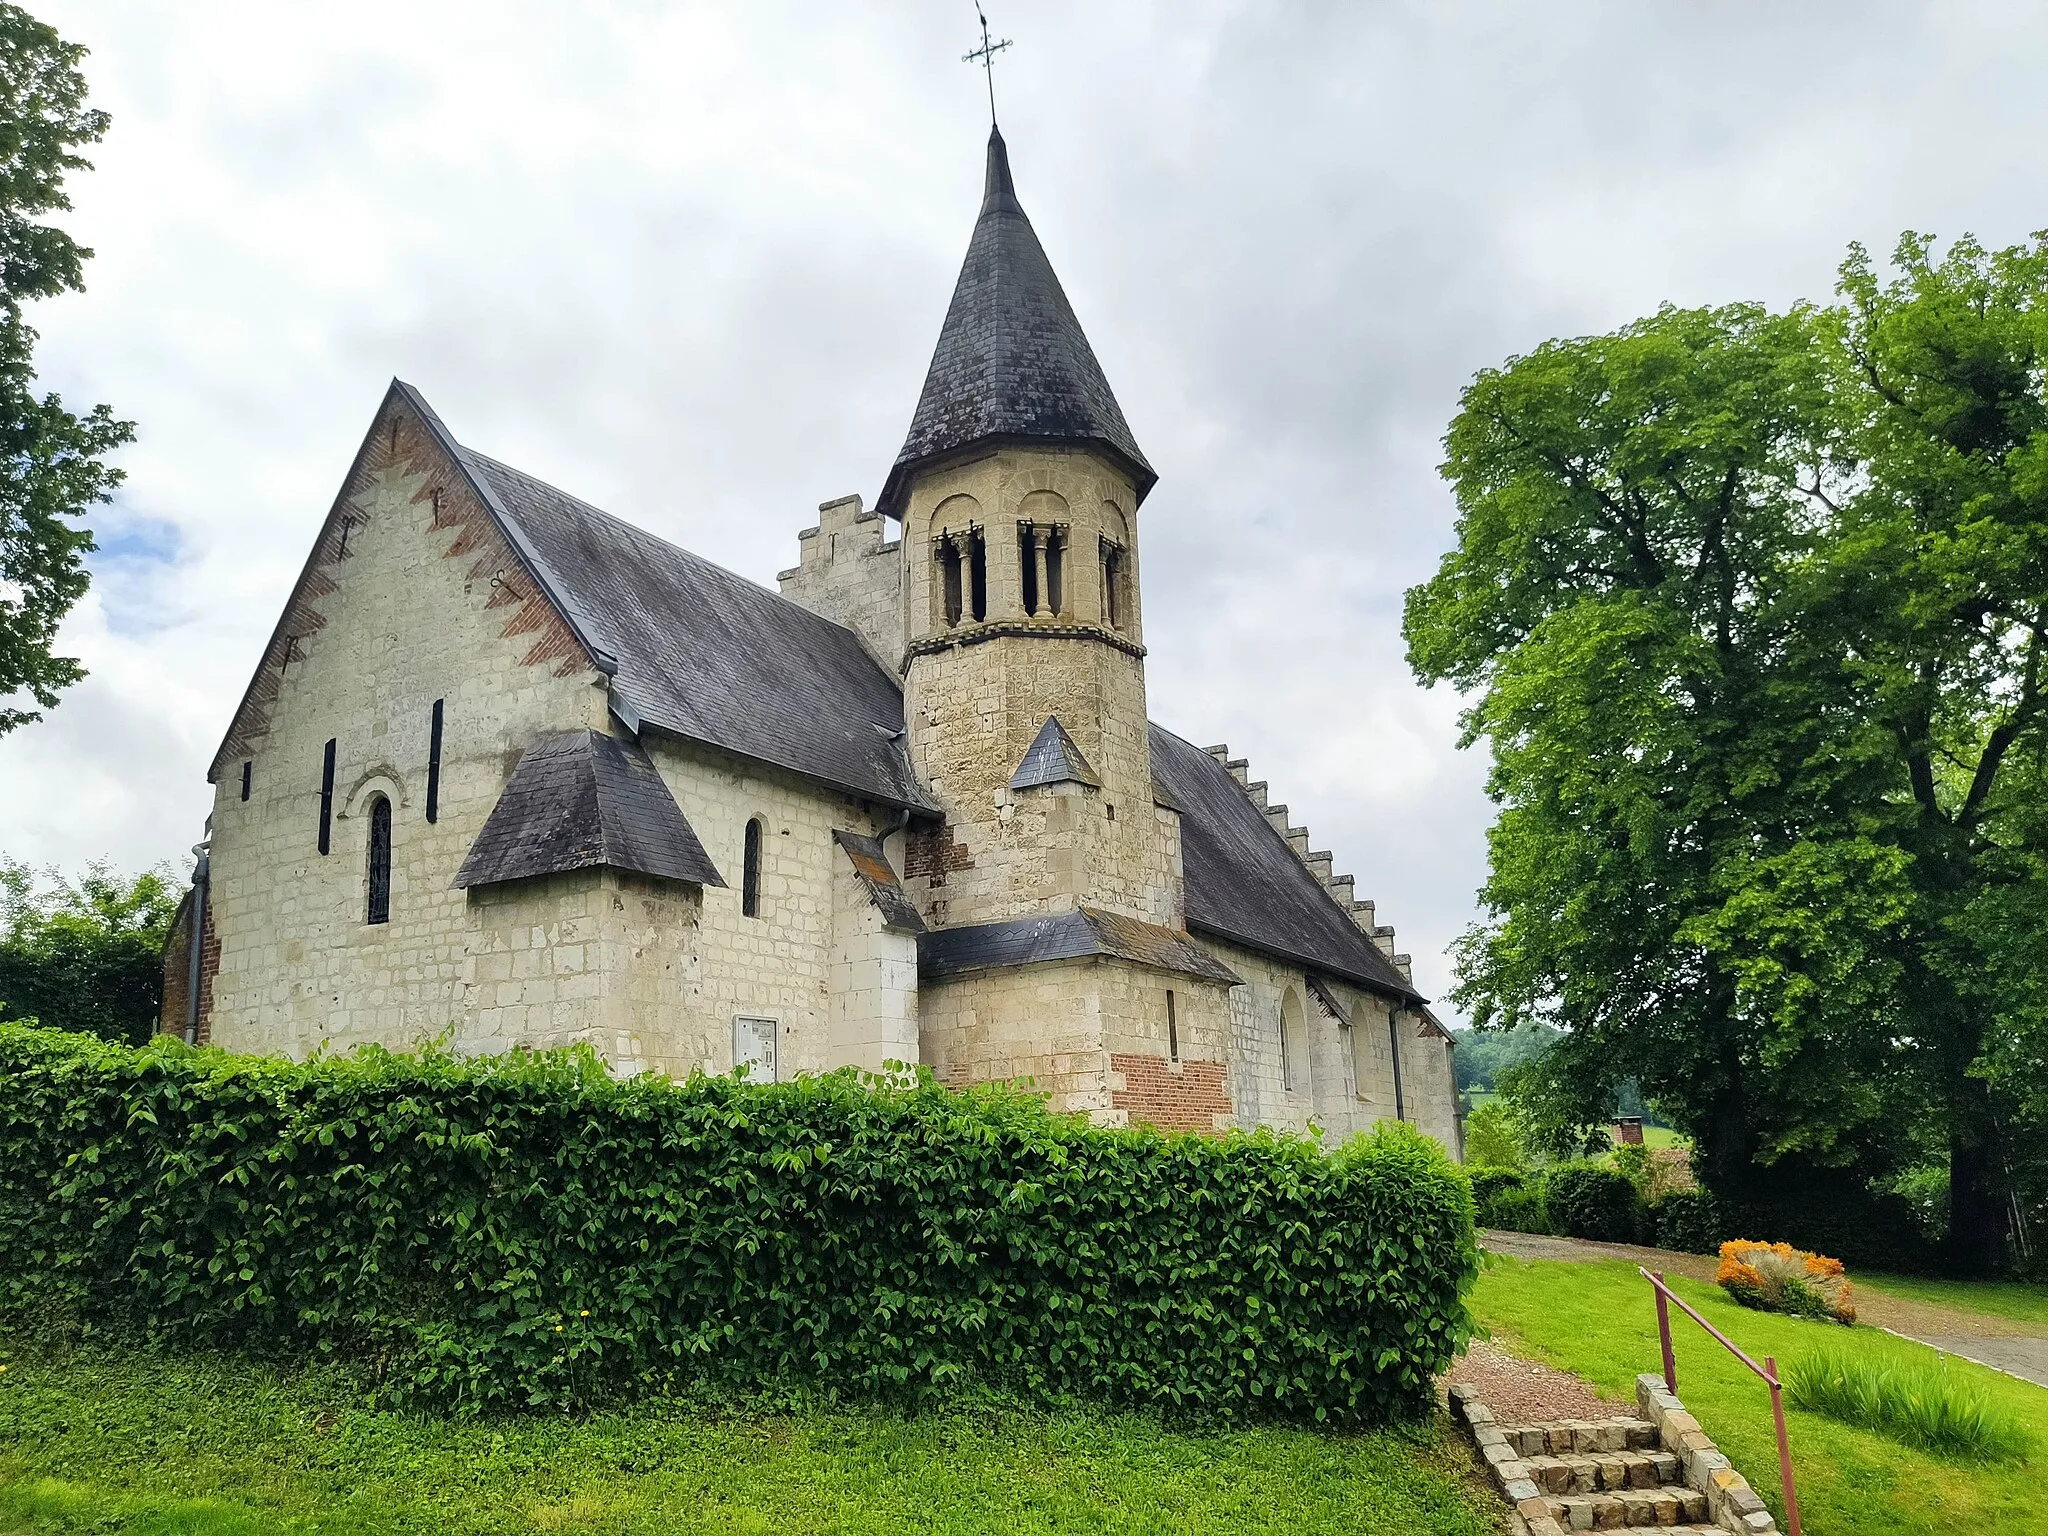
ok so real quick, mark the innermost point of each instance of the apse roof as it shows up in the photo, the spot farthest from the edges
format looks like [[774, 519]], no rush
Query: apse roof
[[1012, 362]]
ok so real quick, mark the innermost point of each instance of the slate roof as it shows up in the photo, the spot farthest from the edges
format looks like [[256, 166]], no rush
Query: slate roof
[[1065, 936], [578, 800], [1052, 758], [1244, 883], [697, 650], [1012, 361], [872, 868]]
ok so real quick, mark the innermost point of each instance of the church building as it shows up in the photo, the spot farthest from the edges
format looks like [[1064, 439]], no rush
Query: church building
[[514, 772]]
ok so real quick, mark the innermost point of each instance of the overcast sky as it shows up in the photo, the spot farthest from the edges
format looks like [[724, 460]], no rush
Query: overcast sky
[[688, 261]]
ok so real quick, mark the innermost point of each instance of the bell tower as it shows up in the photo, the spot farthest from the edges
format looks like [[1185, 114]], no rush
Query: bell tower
[[1018, 489]]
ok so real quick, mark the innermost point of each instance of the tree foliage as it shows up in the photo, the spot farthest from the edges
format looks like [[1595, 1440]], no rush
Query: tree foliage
[[87, 954], [1751, 607], [52, 462]]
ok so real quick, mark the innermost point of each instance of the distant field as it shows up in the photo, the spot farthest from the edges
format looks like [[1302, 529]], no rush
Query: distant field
[[1653, 1135]]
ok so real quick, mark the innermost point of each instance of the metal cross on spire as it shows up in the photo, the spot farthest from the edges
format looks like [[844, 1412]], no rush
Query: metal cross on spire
[[985, 56]]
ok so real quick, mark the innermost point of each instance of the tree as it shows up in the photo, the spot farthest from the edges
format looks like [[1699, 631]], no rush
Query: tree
[[85, 954], [1751, 606], [52, 462]]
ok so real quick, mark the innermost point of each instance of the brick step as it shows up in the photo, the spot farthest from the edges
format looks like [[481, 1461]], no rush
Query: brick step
[[1665, 1506], [1608, 1472]]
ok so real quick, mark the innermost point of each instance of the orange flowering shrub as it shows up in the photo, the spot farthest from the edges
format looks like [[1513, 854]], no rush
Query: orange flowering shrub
[[1776, 1277]]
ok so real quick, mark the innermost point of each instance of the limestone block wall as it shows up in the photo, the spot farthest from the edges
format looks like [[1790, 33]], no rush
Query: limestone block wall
[[871, 985], [1348, 1084], [851, 571], [779, 964], [977, 689], [410, 597]]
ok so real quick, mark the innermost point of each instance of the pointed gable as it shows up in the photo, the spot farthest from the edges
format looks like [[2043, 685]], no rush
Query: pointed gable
[[1052, 758], [406, 439], [1012, 361], [581, 800]]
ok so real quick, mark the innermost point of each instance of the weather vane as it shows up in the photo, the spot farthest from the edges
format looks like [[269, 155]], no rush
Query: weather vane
[[985, 56]]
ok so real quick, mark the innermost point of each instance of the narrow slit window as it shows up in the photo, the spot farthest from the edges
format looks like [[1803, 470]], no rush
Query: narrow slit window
[[1055, 572], [434, 766], [380, 861], [977, 573], [1172, 1029], [949, 577], [750, 872], [327, 797], [1112, 585], [1027, 564], [247, 768]]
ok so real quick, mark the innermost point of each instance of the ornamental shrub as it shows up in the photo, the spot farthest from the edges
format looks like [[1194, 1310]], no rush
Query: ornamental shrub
[[1688, 1222], [1585, 1200], [527, 1230], [1776, 1277]]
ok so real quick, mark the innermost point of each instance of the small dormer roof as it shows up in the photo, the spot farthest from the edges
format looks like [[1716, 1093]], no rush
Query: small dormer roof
[[1012, 363], [1052, 758]]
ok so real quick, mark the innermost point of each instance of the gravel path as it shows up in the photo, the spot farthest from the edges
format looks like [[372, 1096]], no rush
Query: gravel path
[[2003, 1343], [1524, 1392]]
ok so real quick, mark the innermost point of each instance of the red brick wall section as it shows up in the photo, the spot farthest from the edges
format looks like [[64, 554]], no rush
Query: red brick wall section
[[929, 851], [1154, 1093], [177, 966]]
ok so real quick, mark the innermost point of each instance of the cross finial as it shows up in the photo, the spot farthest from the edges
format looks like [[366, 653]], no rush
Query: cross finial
[[985, 56]]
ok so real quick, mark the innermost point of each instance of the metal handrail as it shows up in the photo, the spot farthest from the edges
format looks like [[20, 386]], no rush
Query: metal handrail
[[1768, 1371]]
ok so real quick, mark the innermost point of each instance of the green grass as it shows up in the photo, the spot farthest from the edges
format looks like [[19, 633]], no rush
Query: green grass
[[1926, 1404], [1600, 1321], [152, 1444], [1998, 1298]]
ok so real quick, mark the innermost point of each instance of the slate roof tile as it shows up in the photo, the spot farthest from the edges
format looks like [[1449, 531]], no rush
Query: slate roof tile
[[1072, 935], [1244, 883], [580, 800], [1052, 758], [1012, 361]]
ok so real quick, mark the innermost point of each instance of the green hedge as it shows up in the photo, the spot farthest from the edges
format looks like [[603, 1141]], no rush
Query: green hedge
[[529, 1231]]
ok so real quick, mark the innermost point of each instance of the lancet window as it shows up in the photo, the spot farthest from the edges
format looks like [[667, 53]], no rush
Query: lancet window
[[380, 861]]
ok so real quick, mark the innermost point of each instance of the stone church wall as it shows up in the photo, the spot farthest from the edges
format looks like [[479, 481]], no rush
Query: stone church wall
[[851, 572], [779, 964], [1347, 1083], [411, 607]]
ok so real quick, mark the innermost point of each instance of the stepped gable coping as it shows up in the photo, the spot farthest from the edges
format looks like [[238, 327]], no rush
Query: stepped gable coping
[[872, 868], [583, 800], [1244, 882], [1075, 935]]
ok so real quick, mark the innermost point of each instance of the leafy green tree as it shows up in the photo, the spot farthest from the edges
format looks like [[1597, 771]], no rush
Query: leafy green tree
[[1482, 1055], [1751, 607], [52, 462], [85, 955]]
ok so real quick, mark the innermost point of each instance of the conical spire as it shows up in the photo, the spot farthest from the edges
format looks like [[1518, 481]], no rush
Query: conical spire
[[1012, 363]]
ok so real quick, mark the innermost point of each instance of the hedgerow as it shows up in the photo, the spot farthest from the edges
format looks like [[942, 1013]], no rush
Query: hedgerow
[[527, 1230]]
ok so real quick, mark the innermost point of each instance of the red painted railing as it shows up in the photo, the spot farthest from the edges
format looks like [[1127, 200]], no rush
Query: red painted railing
[[1666, 1297]]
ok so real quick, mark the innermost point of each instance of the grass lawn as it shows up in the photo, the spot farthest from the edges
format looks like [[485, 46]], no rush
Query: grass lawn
[[163, 1445], [1600, 1321], [1999, 1298]]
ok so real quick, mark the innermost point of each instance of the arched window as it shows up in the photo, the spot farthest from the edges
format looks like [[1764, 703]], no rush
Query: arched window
[[1293, 1044], [380, 860], [1112, 585], [950, 600], [977, 574], [750, 871]]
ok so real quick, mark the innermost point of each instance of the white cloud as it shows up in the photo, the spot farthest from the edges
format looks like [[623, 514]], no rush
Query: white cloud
[[688, 262]]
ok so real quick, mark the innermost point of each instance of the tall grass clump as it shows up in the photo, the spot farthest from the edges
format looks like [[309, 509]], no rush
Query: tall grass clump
[[1918, 1404]]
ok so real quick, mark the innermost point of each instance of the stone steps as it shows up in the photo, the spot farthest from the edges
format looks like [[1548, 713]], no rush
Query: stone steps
[[1619, 1473]]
